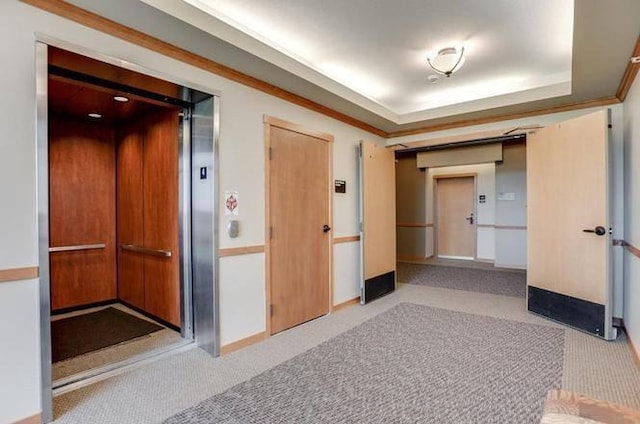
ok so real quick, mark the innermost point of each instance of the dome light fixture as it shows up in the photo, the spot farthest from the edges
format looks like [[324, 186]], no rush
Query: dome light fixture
[[95, 115], [447, 61], [121, 99]]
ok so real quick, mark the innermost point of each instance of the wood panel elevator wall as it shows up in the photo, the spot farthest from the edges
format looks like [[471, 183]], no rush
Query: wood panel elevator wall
[[82, 212], [116, 185], [147, 193]]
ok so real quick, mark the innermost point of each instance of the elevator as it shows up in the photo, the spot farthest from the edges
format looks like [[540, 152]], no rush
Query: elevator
[[127, 193]]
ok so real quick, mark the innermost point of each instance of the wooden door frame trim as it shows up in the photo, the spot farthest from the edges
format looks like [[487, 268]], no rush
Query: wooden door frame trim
[[629, 75], [270, 121], [473, 175], [300, 129]]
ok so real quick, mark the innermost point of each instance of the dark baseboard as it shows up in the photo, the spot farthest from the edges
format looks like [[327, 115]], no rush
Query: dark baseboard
[[581, 314], [81, 307], [379, 286]]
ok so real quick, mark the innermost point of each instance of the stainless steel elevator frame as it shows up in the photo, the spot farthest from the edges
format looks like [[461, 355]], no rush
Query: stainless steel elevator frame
[[198, 216]]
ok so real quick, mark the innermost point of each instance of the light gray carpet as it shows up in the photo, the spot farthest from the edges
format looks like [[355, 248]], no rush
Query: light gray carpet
[[412, 363], [506, 283]]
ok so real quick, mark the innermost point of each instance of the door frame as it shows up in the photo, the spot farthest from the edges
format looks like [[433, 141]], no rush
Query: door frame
[[270, 121], [198, 263], [473, 175]]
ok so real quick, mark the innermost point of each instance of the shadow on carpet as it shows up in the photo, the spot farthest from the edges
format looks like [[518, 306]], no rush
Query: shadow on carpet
[[505, 283], [412, 363]]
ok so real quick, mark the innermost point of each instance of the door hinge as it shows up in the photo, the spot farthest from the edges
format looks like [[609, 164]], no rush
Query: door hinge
[[270, 232], [270, 153], [271, 309]]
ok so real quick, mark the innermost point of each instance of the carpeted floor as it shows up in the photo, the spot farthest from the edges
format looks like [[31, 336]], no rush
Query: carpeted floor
[[75, 336], [505, 283], [412, 363], [162, 389]]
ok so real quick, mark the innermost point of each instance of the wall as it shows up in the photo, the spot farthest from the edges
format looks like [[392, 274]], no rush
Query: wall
[[410, 209], [632, 213], [511, 177], [485, 212], [242, 285]]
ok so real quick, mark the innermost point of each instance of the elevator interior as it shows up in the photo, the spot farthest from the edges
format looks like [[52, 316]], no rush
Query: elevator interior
[[118, 248]]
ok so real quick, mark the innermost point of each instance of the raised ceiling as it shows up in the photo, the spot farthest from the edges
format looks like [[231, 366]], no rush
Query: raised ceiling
[[603, 38], [515, 51]]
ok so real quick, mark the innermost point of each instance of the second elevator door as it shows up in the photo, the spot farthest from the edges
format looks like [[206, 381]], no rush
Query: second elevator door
[[147, 197]]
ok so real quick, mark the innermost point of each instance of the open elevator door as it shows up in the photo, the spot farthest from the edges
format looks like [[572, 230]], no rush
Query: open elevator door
[[569, 276], [377, 174]]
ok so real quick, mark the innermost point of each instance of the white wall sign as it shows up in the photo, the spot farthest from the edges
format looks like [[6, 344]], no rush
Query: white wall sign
[[231, 203]]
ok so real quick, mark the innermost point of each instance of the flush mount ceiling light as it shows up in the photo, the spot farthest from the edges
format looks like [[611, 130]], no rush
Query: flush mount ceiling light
[[447, 61], [95, 115], [121, 99]]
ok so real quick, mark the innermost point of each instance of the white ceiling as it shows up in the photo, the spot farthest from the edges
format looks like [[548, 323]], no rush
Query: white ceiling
[[373, 53]]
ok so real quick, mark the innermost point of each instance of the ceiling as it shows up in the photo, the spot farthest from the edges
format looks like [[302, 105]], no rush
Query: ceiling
[[515, 51], [538, 53], [72, 99]]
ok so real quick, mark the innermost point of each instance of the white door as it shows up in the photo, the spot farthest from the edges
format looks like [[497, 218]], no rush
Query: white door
[[568, 218], [378, 221]]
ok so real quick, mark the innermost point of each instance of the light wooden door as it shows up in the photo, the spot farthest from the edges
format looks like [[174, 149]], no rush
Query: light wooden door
[[81, 213], [299, 247], [569, 274], [455, 215], [378, 221]]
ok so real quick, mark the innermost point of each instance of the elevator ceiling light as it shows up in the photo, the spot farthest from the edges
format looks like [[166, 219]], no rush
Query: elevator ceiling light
[[121, 99], [95, 115]]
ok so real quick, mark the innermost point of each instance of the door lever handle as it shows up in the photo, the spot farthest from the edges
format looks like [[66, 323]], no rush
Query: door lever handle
[[326, 228], [470, 219], [599, 231]]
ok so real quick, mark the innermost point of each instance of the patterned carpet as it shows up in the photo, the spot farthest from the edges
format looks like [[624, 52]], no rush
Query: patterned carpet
[[412, 363], [506, 283]]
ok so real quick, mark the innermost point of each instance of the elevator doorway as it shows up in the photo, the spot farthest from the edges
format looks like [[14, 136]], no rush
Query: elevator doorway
[[127, 173]]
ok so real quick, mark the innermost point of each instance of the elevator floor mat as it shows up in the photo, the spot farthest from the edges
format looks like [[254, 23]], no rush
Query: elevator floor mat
[[75, 336]]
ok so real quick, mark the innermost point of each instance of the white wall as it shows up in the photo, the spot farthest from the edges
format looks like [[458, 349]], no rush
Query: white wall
[[241, 168], [485, 212], [511, 177], [632, 213]]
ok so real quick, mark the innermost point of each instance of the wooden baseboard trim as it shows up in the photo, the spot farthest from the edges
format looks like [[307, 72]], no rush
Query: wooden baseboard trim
[[242, 343], [339, 306], [346, 239], [34, 419], [238, 251], [410, 258], [484, 261], [18, 274]]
